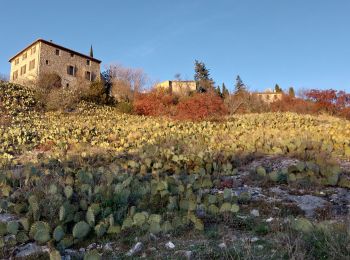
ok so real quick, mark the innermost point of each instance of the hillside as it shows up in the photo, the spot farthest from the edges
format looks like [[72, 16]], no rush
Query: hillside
[[272, 185]]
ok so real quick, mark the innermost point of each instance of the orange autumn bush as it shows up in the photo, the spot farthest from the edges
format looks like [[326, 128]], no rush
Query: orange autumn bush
[[199, 106], [154, 103], [293, 104]]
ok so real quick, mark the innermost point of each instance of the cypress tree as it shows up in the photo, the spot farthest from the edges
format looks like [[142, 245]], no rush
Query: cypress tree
[[291, 92], [91, 52], [278, 89], [225, 92], [218, 91]]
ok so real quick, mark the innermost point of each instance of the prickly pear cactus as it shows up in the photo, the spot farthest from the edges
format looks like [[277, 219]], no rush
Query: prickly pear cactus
[[81, 230], [40, 232]]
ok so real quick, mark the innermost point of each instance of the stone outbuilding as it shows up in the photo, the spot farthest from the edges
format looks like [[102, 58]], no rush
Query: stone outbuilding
[[269, 96], [181, 87]]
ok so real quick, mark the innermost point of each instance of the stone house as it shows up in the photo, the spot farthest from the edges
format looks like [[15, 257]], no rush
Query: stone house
[[269, 96], [178, 87], [42, 57]]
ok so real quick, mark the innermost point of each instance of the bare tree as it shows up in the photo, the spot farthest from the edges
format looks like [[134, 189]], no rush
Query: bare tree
[[126, 82], [245, 102], [301, 93], [4, 78]]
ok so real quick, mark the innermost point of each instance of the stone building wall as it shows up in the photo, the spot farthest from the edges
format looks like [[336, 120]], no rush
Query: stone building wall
[[29, 58], [270, 97], [56, 60], [178, 87]]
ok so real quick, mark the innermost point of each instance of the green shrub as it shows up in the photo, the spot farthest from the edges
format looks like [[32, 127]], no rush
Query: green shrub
[[97, 93], [125, 107], [52, 96]]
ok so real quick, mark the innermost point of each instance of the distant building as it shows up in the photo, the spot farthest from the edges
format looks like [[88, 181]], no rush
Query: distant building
[[42, 57], [178, 87], [269, 96]]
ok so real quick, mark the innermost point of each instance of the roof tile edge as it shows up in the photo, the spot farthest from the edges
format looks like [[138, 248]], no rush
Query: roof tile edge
[[54, 45]]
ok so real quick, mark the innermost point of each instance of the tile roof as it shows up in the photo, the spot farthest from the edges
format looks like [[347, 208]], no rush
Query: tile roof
[[56, 46]]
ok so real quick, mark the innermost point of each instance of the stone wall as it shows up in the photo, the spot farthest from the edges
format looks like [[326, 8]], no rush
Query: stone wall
[[178, 87], [31, 73], [51, 62], [270, 97]]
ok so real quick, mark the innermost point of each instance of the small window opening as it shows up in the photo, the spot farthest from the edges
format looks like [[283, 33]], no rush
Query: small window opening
[[88, 75], [71, 70]]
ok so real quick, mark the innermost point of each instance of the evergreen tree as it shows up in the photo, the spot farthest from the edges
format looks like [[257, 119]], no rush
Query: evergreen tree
[[278, 89], [239, 86], [202, 77], [291, 92], [225, 92], [107, 80], [218, 91], [91, 52]]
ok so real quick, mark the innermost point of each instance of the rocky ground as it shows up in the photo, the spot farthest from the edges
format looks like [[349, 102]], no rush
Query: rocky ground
[[263, 228]]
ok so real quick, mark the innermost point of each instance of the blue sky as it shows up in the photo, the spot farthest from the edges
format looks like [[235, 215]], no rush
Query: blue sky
[[300, 43]]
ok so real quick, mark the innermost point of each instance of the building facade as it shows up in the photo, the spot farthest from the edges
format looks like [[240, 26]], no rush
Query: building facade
[[45, 57], [178, 87], [269, 96]]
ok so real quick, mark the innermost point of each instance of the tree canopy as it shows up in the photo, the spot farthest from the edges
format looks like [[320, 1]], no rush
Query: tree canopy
[[239, 86], [202, 77]]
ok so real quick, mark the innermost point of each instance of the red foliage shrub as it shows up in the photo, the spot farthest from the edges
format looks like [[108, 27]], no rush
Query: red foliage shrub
[[154, 103], [290, 104], [345, 112], [196, 107], [331, 101], [201, 106], [324, 99], [343, 100]]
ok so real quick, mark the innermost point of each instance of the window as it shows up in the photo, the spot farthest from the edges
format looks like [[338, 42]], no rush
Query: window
[[24, 56], [88, 75], [72, 55], [33, 50], [88, 62], [47, 62], [31, 64], [71, 70], [67, 85], [15, 75], [58, 52], [23, 70], [16, 61]]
